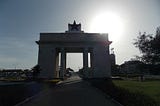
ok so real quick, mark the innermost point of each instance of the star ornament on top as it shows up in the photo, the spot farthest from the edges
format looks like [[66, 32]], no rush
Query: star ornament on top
[[74, 28]]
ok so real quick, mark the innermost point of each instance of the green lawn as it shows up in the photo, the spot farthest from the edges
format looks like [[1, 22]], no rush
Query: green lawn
[[150, 88]]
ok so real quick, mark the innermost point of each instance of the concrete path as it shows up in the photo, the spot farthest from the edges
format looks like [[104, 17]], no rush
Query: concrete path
[[72, 92]]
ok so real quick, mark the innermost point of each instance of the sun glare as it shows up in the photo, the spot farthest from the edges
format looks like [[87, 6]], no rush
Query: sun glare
[[108, 23]]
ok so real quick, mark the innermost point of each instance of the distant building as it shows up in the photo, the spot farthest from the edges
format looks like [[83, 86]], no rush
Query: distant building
[[10, 73]]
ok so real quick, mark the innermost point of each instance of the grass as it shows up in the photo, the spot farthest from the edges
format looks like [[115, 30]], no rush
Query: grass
[[149, 88], [130, 93]]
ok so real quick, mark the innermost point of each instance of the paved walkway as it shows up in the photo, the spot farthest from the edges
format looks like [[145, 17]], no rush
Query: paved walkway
[[72, 92]]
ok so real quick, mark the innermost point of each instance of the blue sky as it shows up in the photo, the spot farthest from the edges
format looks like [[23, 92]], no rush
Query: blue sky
[[21, 21]]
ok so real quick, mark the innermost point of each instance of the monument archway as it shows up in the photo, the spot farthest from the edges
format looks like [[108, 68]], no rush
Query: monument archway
[[73, 41], [75, 61]]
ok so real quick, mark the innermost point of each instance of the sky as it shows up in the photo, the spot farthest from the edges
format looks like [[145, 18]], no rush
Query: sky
[[21, 21]]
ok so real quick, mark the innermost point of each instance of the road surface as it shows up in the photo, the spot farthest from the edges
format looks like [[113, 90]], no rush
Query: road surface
[[72, 92]]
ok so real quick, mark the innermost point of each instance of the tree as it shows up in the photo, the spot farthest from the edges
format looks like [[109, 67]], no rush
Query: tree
[[35, 71], [149, 46]]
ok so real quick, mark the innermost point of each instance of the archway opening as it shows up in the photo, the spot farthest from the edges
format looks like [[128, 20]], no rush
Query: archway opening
[[75, 61]]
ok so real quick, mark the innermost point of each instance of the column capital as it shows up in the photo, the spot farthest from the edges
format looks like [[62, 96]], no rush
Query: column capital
[[85, 49], [62, 49]]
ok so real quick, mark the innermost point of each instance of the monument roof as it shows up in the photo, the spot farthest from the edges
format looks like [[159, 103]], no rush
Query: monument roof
[[73, 37]]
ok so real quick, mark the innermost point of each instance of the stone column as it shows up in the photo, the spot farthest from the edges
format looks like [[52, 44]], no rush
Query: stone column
[[57, 64], [92, 62], [102, 62], [65, 56], [63, 63], [85, 58], [91, 59], [47, 62]]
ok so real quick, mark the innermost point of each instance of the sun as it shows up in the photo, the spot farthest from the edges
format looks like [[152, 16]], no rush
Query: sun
[[108, 22]]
